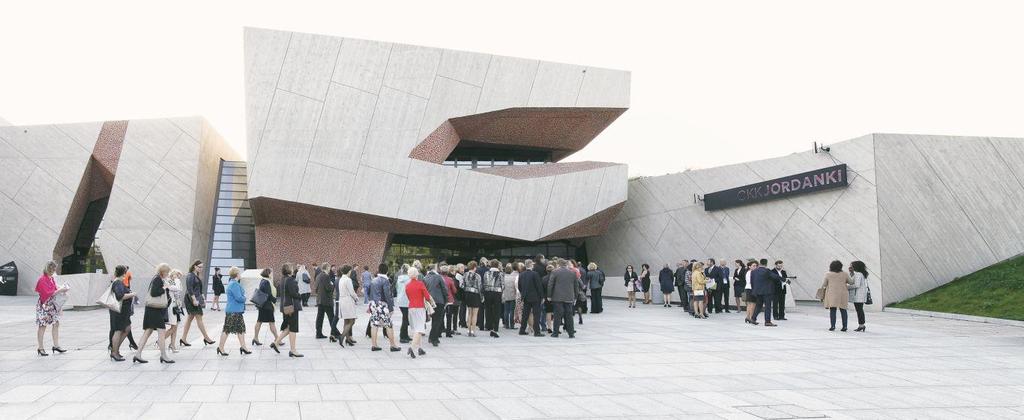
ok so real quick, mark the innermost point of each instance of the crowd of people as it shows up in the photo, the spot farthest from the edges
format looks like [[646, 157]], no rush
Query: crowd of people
[[539, 297]]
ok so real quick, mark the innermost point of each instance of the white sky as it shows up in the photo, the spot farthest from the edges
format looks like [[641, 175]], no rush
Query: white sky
[[714, 82]]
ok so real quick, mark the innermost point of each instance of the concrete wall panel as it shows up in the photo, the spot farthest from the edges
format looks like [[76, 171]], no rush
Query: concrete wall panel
[[288, 137], [374, 190], [264, 53], [475, 203], [521, 200], [450, 99], [428, 192], [326, 186], [508, 83], [613, 189], [466, 67], [411, 69], [605, 88], [343, 128], [556, 84], [362, 64], [572, 199], [308, 65], [394, 131]]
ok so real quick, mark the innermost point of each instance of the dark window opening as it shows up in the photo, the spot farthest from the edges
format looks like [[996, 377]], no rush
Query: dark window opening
[[86, 257], [479, 155], [404, 249]]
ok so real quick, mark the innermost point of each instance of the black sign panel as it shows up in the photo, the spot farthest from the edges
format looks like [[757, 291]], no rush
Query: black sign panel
[[807, 182]]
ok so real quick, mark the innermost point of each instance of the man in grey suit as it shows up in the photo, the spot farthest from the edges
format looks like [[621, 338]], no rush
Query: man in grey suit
[[439, 292], [562, 292]]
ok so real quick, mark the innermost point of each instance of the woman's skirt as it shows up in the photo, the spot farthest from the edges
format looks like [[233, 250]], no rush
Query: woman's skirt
[[472, 299], [174, 314], [418, 320], [290, 322], [154, 319], [47, 313], [266, 313], [379, 314], [234, 323], [748, 296], [645, 285], [738, 291], [192, 309], [119, 321], [549, 307]]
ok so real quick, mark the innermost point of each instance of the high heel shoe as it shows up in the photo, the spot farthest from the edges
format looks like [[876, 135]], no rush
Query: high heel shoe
[[243, 351], [350, 342], [42, 352], [290, 354], [184, 343], [138, 360], [162, 360], [221, 352], [133, 346], [116, 358], [276, 349], [58, 350], [208, 342], [256, 343], [333, 339]]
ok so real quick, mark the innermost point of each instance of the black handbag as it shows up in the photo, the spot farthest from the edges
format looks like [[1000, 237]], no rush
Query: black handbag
[[869, 301], [259, 298]]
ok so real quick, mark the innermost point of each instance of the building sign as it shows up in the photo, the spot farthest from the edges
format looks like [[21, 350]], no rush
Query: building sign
[[807, 182]]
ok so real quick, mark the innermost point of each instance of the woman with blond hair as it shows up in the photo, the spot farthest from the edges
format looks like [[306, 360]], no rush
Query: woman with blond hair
[[176, 308], [700, 283], [234, 323], [47, 310], [155, 317]]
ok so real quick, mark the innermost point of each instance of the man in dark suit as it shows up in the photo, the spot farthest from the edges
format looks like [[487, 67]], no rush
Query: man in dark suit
[[722, 292], [781, 284], [439, 292], [763, 286], [712, 272], [531, 289], [680, 277], [562, 292]]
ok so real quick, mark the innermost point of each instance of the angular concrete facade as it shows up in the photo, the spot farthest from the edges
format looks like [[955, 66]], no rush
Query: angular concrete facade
[[158, 177], [919, 211], [357, 131]]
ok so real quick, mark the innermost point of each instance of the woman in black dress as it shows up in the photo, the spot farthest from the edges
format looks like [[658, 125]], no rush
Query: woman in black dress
[[266, 312], [739, 282], [120, 322], [155, 318], [291, 305], [645, 282], [218, 289], [195, 300]]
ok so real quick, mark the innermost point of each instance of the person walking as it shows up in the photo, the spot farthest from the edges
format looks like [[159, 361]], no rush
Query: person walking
[[439, 291], [218, 289], [48, 312], [419, 299], [176, 307], [837, 293], [645, 282], [265, 313], [348, 301], [291, 305], [234, 321], [127, 280], [403, 303], [532, 292], [632, 285], [494, 284], [739, 282], [325, 303], [381, 306], [859, 291], [667, 282], [155, 316], [120, 321], [195, 301], [509, 293], [303, 281], [472, 286], [595, 279], [699, 281], [763, 281], [562, 291]]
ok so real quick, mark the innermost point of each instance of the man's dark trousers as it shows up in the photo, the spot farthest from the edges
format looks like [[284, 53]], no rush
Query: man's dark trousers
[[437, 323], [766, 303], [529, 308], [780, 305], [564, 316]]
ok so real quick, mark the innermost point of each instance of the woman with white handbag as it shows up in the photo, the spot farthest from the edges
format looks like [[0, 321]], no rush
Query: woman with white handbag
[[47, 310], [155, 317], [120, 319], [420, 305]]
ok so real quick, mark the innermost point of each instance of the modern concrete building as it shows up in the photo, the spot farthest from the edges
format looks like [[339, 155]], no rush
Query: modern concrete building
[[362, 151], [919, 211], [95, 195]]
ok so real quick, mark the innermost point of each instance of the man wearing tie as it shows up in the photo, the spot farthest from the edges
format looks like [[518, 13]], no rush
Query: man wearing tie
[[781, 286]]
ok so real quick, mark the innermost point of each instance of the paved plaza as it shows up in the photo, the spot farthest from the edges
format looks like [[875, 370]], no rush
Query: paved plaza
[[648, 362]]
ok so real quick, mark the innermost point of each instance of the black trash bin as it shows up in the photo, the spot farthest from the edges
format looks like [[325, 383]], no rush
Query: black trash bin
[[9, 279]]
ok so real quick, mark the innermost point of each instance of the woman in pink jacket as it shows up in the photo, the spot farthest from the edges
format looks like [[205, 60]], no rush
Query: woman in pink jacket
[[47, 311]]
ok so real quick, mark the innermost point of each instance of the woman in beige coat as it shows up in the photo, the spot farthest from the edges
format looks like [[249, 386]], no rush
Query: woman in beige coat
[[836, 292]]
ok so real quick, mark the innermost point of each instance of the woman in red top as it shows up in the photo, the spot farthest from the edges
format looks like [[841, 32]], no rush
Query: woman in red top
[[47, 311], [417, 293]]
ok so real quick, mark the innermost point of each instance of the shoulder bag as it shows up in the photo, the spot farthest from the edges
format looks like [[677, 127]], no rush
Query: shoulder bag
[[109, 300], [868, 301], [820, 294], [259, 298], [159, 302]]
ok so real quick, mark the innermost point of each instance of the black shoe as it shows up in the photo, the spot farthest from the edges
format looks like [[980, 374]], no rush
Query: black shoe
[[290, 354], [861, 329], [494, 334], [843, 330], [138, 360], [320, 336], [405, 341], [394, 349], [133, 346], [523, 333], [182, 342], [781, 319], [411, 354], [276, 349], [221, 352], [208, 342], [256, 343], [554, 335], [244, 351], [333, 339], [538, 335], [375, 348], [434, 343], [162, 360], [572, 335], [449, 335], [58, 350], [115, 358], [42, 352], [832, 329], [350, 342]]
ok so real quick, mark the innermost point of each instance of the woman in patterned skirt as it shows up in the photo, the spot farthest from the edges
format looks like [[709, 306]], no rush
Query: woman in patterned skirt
[[47, 311], [234, 323]]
